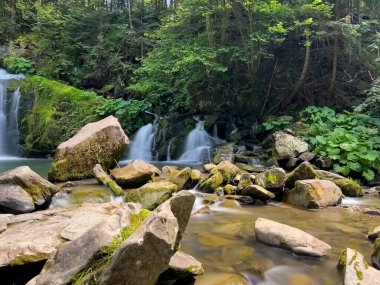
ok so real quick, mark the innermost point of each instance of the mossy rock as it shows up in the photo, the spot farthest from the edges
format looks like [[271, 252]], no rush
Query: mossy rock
[[375, 257], [304, 171], [52, 112], [349, 187], [210, 183]]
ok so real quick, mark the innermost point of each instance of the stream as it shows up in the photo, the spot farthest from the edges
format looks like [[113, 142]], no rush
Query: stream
[[223, 240]]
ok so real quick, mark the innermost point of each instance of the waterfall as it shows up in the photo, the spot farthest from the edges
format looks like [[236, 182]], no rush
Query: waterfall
[[168, 152], [9, 134], [198, 144]]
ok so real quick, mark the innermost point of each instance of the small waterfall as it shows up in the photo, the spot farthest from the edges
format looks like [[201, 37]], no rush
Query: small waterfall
[[198, 144], [142, 145], [168, 152], [9, 134]]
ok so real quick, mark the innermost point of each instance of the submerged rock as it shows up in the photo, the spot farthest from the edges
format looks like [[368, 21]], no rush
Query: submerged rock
[[147, 252], [304, 171], [37, 236], [135, 174], [314, 194], [348, 186], [287, 146], [280, 235], [101, 143], [152, 194], [356, 270], [106, 180], [271, 178], [22, 190]]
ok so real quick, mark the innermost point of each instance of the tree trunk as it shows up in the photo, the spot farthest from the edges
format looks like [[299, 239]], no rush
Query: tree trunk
[[331, 89]]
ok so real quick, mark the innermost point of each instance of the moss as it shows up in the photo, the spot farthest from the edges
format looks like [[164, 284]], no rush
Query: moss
[[52, 112], [212, 182], [26, 259], [89, 275], [343, 260], [349, 187], [115, 188], [359, 273], [271, 178]]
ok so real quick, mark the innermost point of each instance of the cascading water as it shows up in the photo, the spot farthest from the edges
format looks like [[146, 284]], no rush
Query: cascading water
[[9, 133], [142, 145], [198, 144]]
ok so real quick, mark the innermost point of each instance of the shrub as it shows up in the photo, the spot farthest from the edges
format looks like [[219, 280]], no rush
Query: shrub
[[351, 140], [17, 64]]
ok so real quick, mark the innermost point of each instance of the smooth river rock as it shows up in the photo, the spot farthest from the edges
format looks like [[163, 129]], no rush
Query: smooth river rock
[[22, 190], [135, 174], [355, 270], [102, 142], [147, 252], [280, 235], [313, 193], [37, 236]]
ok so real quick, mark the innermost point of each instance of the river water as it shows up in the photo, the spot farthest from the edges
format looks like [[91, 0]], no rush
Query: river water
[[223, 240]]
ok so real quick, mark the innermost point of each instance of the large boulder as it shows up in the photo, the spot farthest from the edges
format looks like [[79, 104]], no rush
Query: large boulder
[[135, 174], [355, 270], [106, 180], [147, 252], [22, 191], [101, 143], [304, 171], [375, 257], [280, 235], [33, 237], [287, 146], [152, 194], [271, 178], [314, 194], [348, 186]]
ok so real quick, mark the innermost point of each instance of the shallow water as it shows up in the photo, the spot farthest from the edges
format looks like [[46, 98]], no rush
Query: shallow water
[[224, 242], [41, 166]]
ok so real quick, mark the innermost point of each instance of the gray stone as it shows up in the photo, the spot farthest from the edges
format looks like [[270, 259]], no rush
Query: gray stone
[[182, 265], [315, 194], [304, 171], [147, 252], [355, 269], [271, 178], [287, 146], [280, 235], [374, 233], [14, 199]]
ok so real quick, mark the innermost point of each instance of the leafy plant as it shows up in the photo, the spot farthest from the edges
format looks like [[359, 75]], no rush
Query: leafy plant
[[351, 140], [275, 124], [17, 64], [128, 112]]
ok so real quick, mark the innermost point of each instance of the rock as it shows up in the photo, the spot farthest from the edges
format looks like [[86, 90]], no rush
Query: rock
[[324, 162], [355, 269], [182, 265], [152, 194], [224, 152], [287, 146], [280, 235], [228, 170], [37, 236], [204, 209], [271, 178], [181, 178], [22, 190], [147, 252], [195, 176], [245, 181], [210, 199], [315, 194], [257, 192], [135, 174], [374, 233], [307, 156], [101, 143], [245, 200], [106, 180], [293, 162], [208, 167], [230, 189], [168, 169], [374, 212], [229, 204], [242, 158], [304, 171], [348, 186], [375, 257], [250, 168], [210, 183]]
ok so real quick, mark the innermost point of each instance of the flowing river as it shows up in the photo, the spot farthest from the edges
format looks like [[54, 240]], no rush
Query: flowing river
[[223, 239]]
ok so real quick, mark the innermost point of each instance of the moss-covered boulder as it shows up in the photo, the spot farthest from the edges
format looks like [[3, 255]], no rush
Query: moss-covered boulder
[[271, 178], [314, 193], [304, 171], [22, 190], [230, 189], [211, 182], [228, 170], [208, 167], [375, 257], [257, 192], [135, 174], [102, 142], [152, 194], [52, 112], [349, 187]]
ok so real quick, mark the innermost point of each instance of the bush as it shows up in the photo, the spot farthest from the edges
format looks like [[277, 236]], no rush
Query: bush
[[351, 140], [17, 64]]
